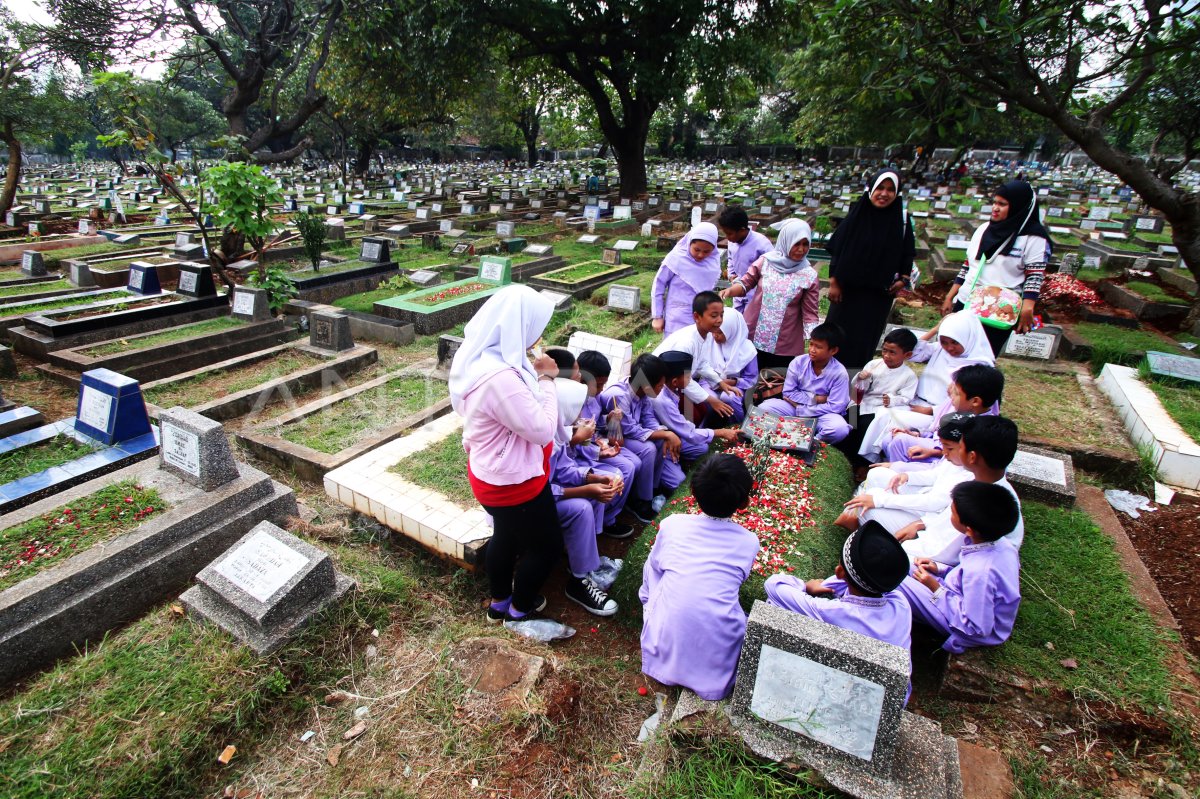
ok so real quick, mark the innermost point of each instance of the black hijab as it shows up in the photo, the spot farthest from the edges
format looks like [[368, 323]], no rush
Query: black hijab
[[873, 244], [1024, 219]]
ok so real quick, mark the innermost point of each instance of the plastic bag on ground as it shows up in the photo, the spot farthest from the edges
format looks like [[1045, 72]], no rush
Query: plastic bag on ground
[[606, 574], [544, 630], [1127, 503], [651, 724]]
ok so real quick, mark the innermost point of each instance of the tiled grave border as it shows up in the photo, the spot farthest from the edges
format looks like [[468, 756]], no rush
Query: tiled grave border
[[1175, 454], [426, 516]]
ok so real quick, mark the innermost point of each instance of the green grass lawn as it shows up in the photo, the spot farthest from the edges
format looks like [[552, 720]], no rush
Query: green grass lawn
[[441, 468], [1128, 245], [368, 413], [55, 451], [210, 326], [208, 386], [1153, 292], [1182, 401], [16, 292], [146, 711], [580, 272], [721, 769], [8, 309], [53, 258], [1051, 405], [1075, 596], [1113, 344]]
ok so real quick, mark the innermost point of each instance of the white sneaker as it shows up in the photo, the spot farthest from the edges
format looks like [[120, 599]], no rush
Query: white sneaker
[[657, 503]]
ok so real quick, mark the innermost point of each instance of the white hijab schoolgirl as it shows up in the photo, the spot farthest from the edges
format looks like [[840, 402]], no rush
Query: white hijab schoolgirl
[[497, 338], [965, 328]]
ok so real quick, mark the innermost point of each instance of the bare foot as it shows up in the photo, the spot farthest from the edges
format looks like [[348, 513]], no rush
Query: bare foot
[[847, 520]]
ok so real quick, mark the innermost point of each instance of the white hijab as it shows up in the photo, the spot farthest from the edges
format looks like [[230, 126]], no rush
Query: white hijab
[[965, 328], [791, 233], [497, 338], [738, 351], [571, 396]]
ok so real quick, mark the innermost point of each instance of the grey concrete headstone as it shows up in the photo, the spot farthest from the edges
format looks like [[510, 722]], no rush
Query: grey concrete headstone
[[335, 232], [244, 267], [833, 700], [1180, 367], [8, 367], [32, 263], [375, 251], [329, 331], [425, 277], [81, 275], [447, 347], [1043, 475], [189, 252], [250, 304], [561, 301], [627, 299], [1039, 345], [129, 238], [265, 587], [195, 448]]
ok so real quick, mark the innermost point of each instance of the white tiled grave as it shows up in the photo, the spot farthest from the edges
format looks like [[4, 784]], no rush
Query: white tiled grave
[[1175, 454], [424, 515]]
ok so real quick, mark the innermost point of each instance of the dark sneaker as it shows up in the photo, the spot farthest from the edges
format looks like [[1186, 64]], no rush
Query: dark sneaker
[[619, 530], [495, 617], [584, 592], [641, 511]]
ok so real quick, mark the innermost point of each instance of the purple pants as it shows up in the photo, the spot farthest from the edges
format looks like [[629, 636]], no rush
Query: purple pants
[[896, 450], [581, 520], [649, 467]]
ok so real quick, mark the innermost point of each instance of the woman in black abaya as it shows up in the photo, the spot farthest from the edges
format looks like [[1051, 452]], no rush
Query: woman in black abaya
[[873, 252]]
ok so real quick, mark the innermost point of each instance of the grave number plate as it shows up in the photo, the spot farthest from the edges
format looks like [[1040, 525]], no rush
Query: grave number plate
[[243, 303], [187, 281], [261, 566], [95, 408], [181, 449]]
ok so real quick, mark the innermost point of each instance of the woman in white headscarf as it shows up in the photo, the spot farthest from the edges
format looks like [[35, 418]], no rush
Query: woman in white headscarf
[[691, 267], [784, 309], [510, 410]]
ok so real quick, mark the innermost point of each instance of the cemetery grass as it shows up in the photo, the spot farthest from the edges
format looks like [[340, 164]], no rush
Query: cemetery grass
[[581, 272], [211, 385], [39, 543], [333, 268], [146, 711], [722, 769], [50, 305], [1181, 399], [441, 468], [217, 325], [1120, 345], [345, 424], [53, 258], [116, 307], [34, 288], [56, 451], [1076, 596], [1053, 405], [1153, 292]]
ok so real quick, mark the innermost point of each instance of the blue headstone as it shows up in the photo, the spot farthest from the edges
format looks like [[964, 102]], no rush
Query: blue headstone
[[111, 408], [143, 278]]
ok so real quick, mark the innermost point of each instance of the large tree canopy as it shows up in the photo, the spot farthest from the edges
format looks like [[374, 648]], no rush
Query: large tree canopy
[[629, 57], [1081, 64]]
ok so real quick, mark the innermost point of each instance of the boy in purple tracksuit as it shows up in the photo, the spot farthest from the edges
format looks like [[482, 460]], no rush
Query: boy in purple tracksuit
[[594, 371], [817, 385], [642, 434], [975, 603], [744, 247], [694, 441]]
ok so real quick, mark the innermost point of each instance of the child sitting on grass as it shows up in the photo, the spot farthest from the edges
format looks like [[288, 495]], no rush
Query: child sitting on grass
[[898, 499], [989, 444], [817, 385], [886, 383], [861, 595], [581, 496], [694, 441], [642, 435], [974, 603], [693, 624], [696, 339]]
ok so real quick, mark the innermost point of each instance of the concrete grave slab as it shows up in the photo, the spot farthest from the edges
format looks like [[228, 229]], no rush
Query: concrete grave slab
[[266, 587], [1043, 475], [195, 448]]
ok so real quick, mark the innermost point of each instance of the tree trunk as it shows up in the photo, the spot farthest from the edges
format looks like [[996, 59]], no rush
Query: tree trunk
[[362, 155], [628, 141], [13, 178], [1185, 233]]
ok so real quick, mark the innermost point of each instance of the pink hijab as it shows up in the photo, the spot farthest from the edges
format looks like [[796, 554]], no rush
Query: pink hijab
[[702, 276]]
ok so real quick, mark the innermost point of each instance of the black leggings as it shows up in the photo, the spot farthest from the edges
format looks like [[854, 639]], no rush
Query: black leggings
[[531, 532]]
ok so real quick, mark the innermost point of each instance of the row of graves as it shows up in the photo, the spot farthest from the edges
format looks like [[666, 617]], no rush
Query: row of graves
[[140, 329]]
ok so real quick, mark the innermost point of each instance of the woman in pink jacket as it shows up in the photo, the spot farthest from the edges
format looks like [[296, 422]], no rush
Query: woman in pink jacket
[[510, 412]]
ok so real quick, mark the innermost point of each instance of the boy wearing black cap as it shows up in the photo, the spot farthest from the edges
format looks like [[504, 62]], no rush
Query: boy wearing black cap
[[694, 441], [861, 595]]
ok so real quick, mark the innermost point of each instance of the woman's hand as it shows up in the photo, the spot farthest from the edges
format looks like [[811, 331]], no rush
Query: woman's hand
[[657, 324], [897, 287], [544, 365], [1025, 324], [835, 291], [948, 303]]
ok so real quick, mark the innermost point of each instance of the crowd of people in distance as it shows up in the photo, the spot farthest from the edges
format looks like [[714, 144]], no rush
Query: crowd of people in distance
[[559, 452]]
